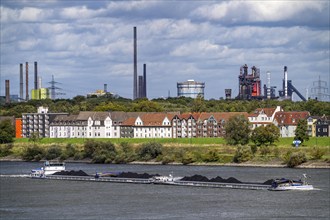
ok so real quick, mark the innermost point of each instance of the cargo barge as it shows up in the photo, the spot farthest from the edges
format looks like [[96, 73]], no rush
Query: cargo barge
[[157, 181]]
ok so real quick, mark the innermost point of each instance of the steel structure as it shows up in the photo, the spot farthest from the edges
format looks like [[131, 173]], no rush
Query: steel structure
[[249, 84], [288, 88], [320, 90]]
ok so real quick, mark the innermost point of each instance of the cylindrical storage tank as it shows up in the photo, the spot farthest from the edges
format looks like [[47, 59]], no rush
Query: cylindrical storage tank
[[191, 89]]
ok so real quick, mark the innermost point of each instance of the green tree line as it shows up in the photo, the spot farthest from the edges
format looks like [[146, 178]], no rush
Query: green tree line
[[181, 104]]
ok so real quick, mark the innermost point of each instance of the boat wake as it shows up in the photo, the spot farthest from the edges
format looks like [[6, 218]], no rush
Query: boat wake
[[14, 175]]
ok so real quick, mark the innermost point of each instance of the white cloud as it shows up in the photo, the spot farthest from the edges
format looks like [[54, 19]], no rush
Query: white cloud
[[257, 11], [80, 12]]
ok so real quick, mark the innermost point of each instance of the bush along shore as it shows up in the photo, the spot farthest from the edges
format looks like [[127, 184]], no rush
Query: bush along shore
[[154, 151]]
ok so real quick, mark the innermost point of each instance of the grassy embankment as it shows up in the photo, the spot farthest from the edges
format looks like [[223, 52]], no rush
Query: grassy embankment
[[186, 151]]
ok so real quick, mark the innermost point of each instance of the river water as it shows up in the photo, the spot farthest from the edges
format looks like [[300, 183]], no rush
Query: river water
[[25, 198]]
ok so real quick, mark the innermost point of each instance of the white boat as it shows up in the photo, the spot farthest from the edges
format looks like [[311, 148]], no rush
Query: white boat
[[49, 168], [37, 173], [284, 184], [166, 179]]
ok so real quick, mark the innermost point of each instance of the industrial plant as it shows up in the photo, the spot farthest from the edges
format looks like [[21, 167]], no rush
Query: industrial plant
[[250, 86]]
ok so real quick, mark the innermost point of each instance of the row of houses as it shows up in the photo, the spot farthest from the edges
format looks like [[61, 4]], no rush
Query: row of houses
[[161, 125]]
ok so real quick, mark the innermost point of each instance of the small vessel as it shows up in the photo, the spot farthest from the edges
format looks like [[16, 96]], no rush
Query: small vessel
[[284, 184], [165, 179], [49, 168], [37, 173]]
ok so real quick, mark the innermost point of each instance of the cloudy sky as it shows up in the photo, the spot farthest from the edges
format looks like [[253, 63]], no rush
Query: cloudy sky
[[86, 44]]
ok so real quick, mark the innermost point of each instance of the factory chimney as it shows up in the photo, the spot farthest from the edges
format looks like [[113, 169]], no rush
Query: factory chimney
[[35, 75], [27, 80], [268, 85], [39, 82], [135, 87], [7, 92], [21, 81], [105, 88], [145, 80], [285, 81]]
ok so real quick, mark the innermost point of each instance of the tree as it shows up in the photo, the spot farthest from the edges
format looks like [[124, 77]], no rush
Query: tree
[[147, 106], [259, 135], [273, 133], [7, 132], [262, 135], [301, 131], [237, 130], [35, 137], [198, 104]]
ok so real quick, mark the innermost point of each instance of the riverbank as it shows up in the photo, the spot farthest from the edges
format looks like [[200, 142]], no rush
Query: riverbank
[[273, 164], [154, 152]]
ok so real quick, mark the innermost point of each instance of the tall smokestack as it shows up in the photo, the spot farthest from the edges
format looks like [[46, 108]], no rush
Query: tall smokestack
[[135, 87], [21, 81], [144, 80], [35, 75], [27, 80], [140, 94], [268, 85], [105, 88], [39, 82], [285, 81], [7, 91]]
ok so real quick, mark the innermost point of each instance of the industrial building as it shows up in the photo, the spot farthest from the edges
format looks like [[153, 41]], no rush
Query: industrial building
[[249, 84], [191, 89], [288, 88]]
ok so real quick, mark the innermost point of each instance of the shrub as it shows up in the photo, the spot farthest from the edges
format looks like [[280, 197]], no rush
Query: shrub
[[254, 149], [211, 156], [89, 147], [276, 152], [317, 153], [70, 150], [167, 159], [296, 159], [5, 149], [104, 152], [188, 158], [33, 153], [78, 156], [242, 154], [264, 150], [53, 152], [286, 157], [128, 153], [150, 150]]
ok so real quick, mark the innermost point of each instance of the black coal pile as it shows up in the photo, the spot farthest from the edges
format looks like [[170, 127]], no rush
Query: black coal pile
[[268, 182], [221, 180], [218, 179], [71, 173], [198, 178], [136, 175]]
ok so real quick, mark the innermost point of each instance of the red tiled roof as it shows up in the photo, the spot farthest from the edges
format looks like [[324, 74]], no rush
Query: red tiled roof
[[155, 119], [290, 118], [129, 122]]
